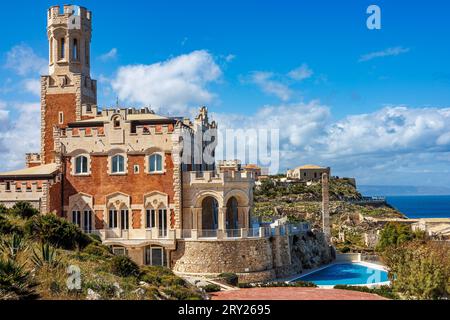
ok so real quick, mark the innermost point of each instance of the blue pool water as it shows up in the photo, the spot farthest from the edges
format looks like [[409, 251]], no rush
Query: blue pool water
[[346, 273]]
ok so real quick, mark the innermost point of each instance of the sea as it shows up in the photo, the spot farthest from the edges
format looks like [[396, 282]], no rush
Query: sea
[[415, 207]]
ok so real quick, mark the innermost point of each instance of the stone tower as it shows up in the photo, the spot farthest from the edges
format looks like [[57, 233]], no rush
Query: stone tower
[[326, 207], [68, 93]]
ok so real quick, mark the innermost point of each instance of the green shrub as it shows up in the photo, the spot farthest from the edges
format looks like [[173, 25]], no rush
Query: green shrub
[[124, 267], [96, 249], [230, 278], [160, 276], [6, 227], [244, 285], [57, 232], [181, 293], [394, 234], [211, 288], [345, 249], [24, 210], [3, 209], [384, 291], [95, 238], [419, 269], [15, 282], [45, 257]]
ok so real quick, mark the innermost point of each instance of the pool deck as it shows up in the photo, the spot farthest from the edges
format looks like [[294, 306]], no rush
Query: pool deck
[[293, 293]]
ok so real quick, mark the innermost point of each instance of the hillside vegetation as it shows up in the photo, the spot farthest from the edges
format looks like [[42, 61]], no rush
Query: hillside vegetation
[[301, 202], [41, 257]]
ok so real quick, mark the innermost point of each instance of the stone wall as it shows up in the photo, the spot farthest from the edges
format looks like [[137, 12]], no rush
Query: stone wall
[[243, 256], [252, 259]]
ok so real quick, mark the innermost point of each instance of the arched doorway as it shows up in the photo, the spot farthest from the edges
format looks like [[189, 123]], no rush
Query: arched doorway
[[210, 213], [232, 218]]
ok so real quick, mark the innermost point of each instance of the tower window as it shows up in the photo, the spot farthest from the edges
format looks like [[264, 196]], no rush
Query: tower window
[[86, 51], [51, 50], [75, 49], [62, 52]]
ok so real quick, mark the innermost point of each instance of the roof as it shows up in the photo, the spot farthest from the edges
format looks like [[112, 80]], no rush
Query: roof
[[310, 166], [252, 166], [43, 170]]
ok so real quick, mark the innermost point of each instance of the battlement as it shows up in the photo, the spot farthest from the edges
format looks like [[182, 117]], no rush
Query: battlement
[[200, 177], [143, 130], [71, 15], [32, 159], [107, 112]]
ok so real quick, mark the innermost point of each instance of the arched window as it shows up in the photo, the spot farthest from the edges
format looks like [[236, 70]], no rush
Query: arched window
[[75, 49], [62, 49], [116, 122], [118, 164], [51, 50], [155, 163], [232, 214], [81, 164], [210, 213]]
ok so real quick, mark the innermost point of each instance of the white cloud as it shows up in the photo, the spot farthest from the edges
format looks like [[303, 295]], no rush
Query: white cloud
[[169, 86], [395, 51], [391, 130], [3, 112], [33, 86], [230, 57], [393, 145], [23, 60], [267, 84], [110, 55], [20, 136], [301, 73]]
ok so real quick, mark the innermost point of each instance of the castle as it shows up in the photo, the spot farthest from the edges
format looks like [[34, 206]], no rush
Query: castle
[[122, 174]]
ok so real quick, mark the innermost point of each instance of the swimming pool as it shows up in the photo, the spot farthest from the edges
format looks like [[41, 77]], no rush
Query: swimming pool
[[347, 273]]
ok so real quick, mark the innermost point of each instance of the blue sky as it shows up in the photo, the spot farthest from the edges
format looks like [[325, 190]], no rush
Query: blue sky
[[313, 64]]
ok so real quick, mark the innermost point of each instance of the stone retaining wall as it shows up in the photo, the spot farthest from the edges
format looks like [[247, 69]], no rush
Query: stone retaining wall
[[237, 256]]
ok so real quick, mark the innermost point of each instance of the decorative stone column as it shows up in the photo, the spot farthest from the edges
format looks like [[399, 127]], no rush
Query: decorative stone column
[[326, 207]]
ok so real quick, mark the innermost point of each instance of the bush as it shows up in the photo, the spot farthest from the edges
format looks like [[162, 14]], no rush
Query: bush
[[245, 285], [211, 288], [181, 293], [6, 227], [95, 238], [160, 276], [229, 278], [124, 267], [57, 232], [3, 209], [15, 282], [384, 291], [394, 234], [24, 210], [419, 269], [96, 249], [345, 249]]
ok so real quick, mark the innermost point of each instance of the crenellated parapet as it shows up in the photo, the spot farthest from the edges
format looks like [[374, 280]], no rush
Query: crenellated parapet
[[211, 177]]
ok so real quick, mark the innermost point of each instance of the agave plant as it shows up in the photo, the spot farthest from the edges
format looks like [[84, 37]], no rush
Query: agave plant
[[15, 282], [13, 245], [46, 257]]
